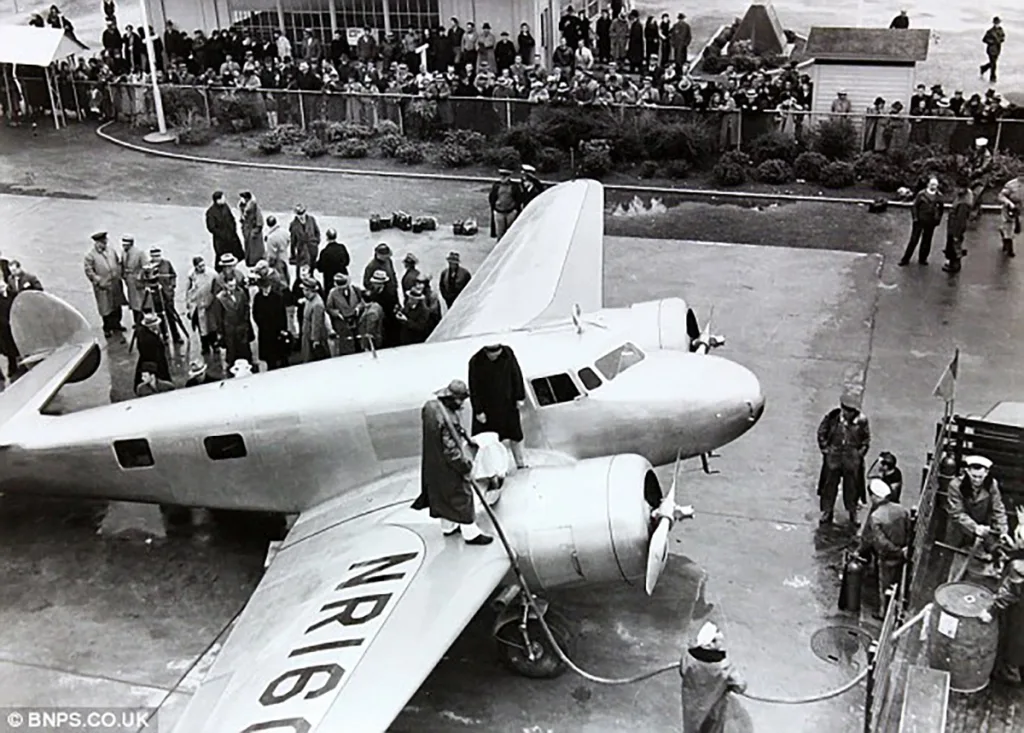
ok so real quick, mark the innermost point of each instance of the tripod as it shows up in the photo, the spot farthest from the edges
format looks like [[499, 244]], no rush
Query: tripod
[[153, 300]]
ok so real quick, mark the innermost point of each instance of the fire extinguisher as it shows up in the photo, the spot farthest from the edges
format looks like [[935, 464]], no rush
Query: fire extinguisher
[[849, 591]]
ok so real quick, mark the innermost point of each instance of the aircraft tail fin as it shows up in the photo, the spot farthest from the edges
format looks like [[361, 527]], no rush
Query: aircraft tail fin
[[42, 322]]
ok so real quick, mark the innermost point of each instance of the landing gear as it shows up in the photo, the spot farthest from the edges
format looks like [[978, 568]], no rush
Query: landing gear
[[522, 644]]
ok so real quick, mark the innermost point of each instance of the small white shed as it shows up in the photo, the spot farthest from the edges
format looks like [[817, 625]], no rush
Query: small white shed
[[26, 45], [866, 62]]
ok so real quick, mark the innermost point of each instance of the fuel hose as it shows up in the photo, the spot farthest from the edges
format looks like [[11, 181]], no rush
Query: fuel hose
[[531, 601]]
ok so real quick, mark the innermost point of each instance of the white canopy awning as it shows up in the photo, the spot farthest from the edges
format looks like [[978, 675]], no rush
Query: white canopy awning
[[31, 46]]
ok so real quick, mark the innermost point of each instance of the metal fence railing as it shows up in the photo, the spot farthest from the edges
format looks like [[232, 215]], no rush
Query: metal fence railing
[[421, 117], [884, 678]]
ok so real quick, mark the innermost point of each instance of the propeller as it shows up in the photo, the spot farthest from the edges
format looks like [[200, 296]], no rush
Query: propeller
[[707, 340], [665, 515]]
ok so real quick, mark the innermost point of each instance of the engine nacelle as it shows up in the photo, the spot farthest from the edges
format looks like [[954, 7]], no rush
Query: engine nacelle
[[585, 523], [657, 324]]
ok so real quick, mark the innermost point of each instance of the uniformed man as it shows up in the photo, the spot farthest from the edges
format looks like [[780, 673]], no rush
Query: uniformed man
[[454, 279], [844, 437], [446, 466], [505, 200], [530, 186], [152, 349], [1009, 606], [1011, 200], [708, 683], [887, 534], [975, 507], [496, 386]]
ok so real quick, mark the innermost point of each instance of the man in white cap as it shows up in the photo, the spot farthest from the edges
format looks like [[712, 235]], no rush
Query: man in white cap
[[226, 270], [1009, 605], [446, 465], [530, 186], [975, 506], [844, 437], [1011, 200], [979, 168], [887, 535], [709, 680]]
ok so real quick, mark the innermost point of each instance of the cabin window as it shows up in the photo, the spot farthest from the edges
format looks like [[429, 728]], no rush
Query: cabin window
[[555, 389], [616, 362], [589, 378], [134, 453], [223, 447]]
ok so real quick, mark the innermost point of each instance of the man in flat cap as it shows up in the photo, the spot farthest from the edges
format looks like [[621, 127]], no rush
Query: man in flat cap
[[103, 269], [133, 263], [446, 464], [344, 305], [152, 349], [887, 535], [709, 682], [530, 186], [844, 436], [333, 259], [505, 200], [497, 393], [454, 279], [305, 238], [220, 223], [975, 507]]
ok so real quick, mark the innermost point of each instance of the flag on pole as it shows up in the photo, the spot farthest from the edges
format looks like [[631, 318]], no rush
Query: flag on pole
[[946, 386]]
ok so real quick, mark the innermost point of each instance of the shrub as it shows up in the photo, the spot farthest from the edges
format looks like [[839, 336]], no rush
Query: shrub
[[337, 131], [528, 140], [944, 167], [501, 157], [388, 145], [181, 102], [289, 134], [1005, 167], [565, 127], [453, 155], [647, 169], [550, 160], [729, 173], [386, 127], [838, 175], [808, 166], [410, 153], [350, 148], [240, 110], [319, 129], [471, 140], [314, 148], [595, 163], [195, 131], [689, 141], [270, 143], [737, 157], [869, 165], [889, 179], [835, 139], [774, 171], [677, 169], [773, 146]]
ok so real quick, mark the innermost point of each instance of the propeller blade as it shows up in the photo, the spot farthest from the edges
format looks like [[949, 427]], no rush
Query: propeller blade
[[657, 554]]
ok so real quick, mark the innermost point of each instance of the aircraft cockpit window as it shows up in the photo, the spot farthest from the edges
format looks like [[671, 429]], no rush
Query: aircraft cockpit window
[[223, 447], [589, 378], [134, 453], [554, 389], [615, 362]]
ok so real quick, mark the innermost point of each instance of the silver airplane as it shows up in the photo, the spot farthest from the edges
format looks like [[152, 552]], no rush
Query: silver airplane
[[364, 595]]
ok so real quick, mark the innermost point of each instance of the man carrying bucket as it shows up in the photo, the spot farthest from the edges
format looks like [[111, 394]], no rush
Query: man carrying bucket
[[1009, 605]]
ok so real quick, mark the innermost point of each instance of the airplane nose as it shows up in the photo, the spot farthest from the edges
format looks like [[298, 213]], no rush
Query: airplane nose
[[747, 387]]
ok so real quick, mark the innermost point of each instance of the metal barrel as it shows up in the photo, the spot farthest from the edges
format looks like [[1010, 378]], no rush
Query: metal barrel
[[958, 641]]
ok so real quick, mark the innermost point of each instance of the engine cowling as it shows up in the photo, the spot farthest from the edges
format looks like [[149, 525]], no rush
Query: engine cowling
[[657, 324], [589, 522]]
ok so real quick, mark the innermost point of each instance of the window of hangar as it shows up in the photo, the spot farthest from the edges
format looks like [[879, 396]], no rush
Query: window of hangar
[[350, 16]]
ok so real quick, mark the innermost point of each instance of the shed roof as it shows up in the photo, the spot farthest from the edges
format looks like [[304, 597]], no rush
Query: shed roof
[[31, 46], [762, 28], [868, 44]]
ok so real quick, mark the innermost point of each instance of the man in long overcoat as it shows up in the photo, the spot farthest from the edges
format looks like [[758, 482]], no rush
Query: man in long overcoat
[[344, 306], [230, 319], [198, 300], [252, 229], [133, 263], [709, 684], [103, 269], [446, 465], [304, 234], [271, 317], [314, 323], [7, 346], [496, 386], [844, 436], [220, 222], [151, 348]]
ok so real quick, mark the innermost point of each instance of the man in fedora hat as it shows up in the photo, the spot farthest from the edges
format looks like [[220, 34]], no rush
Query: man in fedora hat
[[227, 265], [150, 382], [240, 369], [844, 436], [505, 200], [680, 36], [197, 374], [385, 292], [411, 272], [496, 386], [151, 348], [453, 279], [344, 305], [708, 683], [887, 535], [305, 238], [270, 313], [221, 225], [230, 317], [370, 330], [334, 258], [103, 270], [446, 465], [133, 262]]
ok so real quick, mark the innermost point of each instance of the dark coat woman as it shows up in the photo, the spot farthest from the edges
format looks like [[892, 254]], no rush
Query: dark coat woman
[[495, 388], [445, 466]]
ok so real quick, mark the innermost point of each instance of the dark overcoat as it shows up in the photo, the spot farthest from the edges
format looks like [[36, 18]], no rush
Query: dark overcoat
[[445, 467], [151, 348], [220, 223], [1010, 604], [495, 387], [271, 317], [230, 316], [7, 345]]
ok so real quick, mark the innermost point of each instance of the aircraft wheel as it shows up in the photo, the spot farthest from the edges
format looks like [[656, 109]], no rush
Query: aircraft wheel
[[546, 664]]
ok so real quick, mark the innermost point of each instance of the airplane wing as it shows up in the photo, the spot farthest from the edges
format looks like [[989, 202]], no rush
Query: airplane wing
[[345, 626], [551, 258]]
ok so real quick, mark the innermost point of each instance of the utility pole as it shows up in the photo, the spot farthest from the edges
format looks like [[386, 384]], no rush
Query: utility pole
[[161, 136]]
